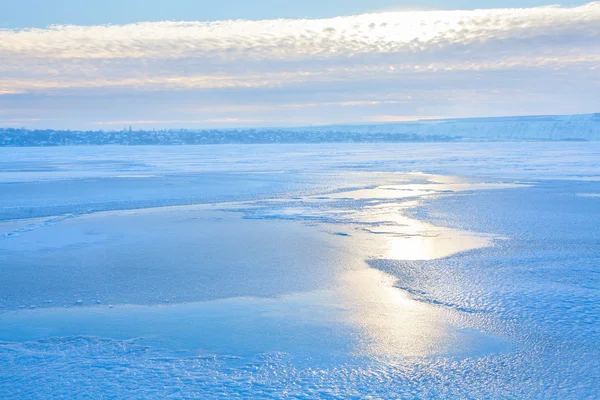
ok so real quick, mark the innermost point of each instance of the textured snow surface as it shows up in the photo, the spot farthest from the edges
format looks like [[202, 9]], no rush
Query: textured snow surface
[[103, 368], [314, 271]]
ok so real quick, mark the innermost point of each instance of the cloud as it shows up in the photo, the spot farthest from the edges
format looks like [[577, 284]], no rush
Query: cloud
[[174, 121], [402, 118], [213, 55], [366, 67], [18, 121], [291, 106]]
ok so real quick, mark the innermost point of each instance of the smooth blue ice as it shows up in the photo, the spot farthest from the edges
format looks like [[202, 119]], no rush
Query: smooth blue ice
[[242, 271]]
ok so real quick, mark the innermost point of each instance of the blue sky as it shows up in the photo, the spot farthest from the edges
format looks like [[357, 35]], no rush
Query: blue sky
[[121, 63]]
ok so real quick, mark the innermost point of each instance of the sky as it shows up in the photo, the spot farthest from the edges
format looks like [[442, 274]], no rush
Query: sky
[[197, 64]]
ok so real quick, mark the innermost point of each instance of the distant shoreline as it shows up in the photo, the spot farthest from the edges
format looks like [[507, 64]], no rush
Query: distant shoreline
[[566, 128]]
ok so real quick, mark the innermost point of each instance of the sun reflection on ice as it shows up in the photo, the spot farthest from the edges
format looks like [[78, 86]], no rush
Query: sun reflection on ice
[[392, 323], [399, 237]]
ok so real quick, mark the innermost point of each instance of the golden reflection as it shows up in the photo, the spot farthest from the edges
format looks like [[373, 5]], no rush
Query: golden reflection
[[426, 248], [381, 193], [438, 185], [399, 237], [390, 322]]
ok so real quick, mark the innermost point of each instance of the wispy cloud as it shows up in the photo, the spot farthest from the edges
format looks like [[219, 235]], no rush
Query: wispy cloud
[[175, 121], [402, 118], [276, 52], [291, 106], [18, 121], [417, 50]]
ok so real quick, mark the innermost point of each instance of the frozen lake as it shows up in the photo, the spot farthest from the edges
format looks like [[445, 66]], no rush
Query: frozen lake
[[465, 270]]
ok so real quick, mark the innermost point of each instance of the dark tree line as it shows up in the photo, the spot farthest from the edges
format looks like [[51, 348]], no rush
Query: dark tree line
[[49, 137]]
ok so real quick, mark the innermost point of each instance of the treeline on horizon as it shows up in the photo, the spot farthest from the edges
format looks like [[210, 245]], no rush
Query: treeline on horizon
[[16, 137]]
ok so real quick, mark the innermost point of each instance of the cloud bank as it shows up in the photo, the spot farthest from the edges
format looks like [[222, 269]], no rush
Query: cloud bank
[[362, 57]]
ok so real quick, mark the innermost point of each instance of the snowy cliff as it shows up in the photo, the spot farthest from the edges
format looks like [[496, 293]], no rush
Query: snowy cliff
[[563, 127]]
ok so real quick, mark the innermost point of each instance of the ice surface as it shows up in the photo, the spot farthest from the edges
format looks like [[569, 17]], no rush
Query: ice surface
[[334, 271]]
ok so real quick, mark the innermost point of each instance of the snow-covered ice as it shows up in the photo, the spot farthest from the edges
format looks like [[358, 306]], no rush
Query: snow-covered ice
[[334, 270]]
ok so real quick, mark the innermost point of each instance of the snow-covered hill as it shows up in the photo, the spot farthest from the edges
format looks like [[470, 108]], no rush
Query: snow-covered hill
[[536, 128], [563, 127]]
